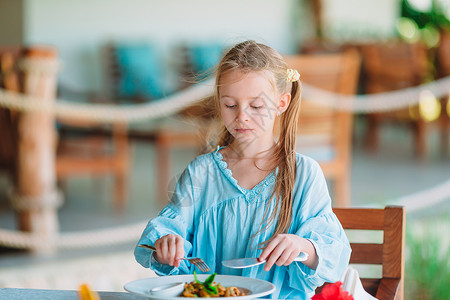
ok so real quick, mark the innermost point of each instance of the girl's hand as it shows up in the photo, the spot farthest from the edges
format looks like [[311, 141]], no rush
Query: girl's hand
[[169, 250], [284, 248]]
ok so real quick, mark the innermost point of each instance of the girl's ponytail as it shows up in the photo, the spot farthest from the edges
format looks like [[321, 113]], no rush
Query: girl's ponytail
[[287, 165]]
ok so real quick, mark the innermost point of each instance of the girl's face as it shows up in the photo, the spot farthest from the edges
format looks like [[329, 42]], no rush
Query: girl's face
[[248, 105]]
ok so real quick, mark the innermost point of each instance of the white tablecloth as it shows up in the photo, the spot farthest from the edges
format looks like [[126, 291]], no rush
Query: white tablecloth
[[33, 294]]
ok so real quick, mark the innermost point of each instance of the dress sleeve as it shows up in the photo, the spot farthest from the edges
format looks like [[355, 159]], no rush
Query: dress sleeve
[[175, 218], [316, 222]]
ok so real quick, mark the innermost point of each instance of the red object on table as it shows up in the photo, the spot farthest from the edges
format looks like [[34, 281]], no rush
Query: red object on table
[[333, 291]]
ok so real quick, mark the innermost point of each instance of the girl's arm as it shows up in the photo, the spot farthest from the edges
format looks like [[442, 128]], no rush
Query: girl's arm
[[176, 219]]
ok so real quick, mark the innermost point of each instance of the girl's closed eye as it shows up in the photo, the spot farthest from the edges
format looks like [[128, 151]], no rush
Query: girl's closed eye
[[257, 104], [230, 106]]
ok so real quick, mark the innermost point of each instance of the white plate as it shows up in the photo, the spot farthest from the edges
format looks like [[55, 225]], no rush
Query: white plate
[[257, 287]]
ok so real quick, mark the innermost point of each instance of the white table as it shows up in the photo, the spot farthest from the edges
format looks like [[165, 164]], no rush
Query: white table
[[34, 294]]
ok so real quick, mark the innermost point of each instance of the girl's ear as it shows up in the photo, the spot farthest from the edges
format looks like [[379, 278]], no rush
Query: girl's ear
[[285, 99]]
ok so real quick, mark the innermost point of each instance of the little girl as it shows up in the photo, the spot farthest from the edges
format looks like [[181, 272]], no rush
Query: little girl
[[253, 196]]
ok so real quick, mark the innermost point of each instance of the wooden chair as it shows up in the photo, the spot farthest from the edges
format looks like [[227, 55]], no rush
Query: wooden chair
[[389, 67], [325, 133], [98, 150], [389, 254], [91, 155], [182, 131]]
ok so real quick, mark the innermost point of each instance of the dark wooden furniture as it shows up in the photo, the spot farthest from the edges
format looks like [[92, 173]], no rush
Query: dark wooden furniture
[[443, 70], [95, 155], [8, 118], [395, 66], [99, 150]]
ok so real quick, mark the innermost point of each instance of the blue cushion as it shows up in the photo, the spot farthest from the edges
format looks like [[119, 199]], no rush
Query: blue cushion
[[140, 71], [205, 57]]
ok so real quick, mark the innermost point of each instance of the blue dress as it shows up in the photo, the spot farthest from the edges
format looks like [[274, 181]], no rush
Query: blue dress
[[219, 219]]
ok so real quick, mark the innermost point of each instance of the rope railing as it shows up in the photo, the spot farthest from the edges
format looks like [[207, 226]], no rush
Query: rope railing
[[382, 102], [131, 232], [107, 112]]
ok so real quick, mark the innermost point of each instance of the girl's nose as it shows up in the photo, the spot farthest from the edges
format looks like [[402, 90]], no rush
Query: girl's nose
[[242, 115]]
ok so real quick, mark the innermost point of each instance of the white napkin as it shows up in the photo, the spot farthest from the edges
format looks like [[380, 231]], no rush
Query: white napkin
[[352, 284]]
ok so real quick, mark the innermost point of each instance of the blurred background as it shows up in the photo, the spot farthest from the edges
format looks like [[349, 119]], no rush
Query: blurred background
[[120, 174]]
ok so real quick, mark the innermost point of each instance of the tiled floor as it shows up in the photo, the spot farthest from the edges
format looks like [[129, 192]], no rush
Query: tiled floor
[[376, 179]]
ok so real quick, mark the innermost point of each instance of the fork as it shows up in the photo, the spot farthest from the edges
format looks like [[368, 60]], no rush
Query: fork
[[193, 260]]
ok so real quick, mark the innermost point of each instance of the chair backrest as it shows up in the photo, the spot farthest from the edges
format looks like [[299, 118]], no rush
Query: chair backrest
[[389, 254], [320, 125], [133, 72], [394, 66], [325, 133]]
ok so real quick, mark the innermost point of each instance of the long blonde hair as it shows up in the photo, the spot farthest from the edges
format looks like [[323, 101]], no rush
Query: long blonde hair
[[250, 56]]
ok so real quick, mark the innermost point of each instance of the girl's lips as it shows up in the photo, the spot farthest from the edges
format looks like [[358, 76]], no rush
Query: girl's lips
[[243, 130]]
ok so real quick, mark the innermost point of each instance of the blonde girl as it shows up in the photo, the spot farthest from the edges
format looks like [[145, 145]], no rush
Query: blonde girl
[[253, 196]]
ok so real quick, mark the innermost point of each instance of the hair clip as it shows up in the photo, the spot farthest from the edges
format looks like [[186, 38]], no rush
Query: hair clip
[[292, 75]]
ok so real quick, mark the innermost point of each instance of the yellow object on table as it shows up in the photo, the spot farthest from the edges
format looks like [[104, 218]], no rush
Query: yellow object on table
[[85, 293]]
